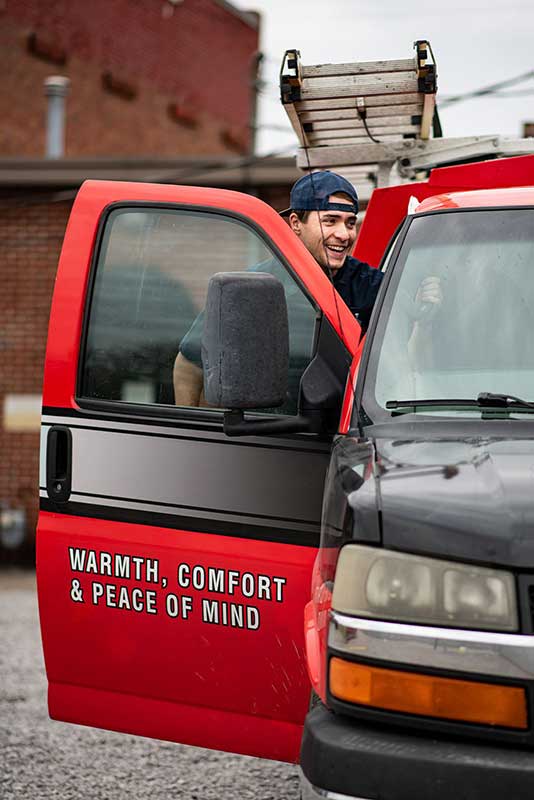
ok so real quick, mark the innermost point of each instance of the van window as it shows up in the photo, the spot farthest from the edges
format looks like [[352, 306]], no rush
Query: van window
[[478, 339], [146, 310]]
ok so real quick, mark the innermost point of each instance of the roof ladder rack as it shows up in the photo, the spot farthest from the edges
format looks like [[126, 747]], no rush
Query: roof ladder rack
[[374, 121], [355, 111]]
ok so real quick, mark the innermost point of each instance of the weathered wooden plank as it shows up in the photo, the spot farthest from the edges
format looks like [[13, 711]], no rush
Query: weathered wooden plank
[[355, 122], [396, 132], [371, 101], [439, 151], [296, 124], [421, 155], [337, 114], [359, 68], [338, 155], [346, 140], [428, 115], [354, 86]]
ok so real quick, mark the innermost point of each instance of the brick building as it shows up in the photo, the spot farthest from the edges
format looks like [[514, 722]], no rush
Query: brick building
[[150, 77], [159, 90]]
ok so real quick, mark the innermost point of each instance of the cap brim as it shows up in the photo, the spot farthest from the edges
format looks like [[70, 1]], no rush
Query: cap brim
[[286, 212]]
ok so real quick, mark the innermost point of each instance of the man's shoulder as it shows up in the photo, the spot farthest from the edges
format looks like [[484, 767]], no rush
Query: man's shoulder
[[353, 263], [354, 266]]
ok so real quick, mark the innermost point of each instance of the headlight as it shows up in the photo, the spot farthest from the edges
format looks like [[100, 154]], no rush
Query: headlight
[[383, 584]]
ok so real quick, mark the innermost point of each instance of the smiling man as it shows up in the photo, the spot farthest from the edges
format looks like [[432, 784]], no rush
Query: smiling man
[[323, 213]]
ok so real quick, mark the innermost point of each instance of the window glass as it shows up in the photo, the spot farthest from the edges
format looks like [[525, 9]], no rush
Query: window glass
[[479, 337], [146, 313]]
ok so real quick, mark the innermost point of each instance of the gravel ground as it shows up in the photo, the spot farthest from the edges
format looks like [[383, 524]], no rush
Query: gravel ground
[[45, 759]]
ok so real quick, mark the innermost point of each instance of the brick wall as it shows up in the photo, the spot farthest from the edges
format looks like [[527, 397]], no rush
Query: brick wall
[[195, 57], [30, 242]]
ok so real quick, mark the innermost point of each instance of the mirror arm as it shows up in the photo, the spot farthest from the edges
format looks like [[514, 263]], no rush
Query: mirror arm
[[236, 425]]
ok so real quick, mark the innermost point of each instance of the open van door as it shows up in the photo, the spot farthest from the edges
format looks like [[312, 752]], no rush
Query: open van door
[[173, 562]]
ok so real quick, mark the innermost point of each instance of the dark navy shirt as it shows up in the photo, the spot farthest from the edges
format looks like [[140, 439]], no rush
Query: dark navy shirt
[[358, 285]]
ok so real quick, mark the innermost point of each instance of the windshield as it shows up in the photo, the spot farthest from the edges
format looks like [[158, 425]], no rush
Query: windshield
[[477, 334]]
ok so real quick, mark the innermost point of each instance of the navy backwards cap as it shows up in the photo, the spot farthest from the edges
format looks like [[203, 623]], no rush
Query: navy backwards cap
[[311, 193]]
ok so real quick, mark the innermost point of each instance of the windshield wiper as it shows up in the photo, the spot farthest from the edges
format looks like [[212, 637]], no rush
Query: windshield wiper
[[502, 400], [483, 400], [445, 402]]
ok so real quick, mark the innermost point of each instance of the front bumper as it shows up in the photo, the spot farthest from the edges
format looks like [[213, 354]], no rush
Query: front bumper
[[350, 758]]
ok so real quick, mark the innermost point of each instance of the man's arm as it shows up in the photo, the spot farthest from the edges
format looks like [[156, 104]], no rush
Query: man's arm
[[187, 375], [188, 382]]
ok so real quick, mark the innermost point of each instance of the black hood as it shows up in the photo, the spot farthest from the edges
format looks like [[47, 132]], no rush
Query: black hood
[[469, 498]]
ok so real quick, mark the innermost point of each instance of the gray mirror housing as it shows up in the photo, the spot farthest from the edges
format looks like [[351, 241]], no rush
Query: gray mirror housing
[[245, 343]]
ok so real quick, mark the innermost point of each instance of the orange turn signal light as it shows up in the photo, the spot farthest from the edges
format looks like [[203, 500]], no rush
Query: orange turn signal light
[[414, 693]]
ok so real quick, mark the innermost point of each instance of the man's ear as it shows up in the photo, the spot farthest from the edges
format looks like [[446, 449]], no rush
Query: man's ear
[[294, 223]]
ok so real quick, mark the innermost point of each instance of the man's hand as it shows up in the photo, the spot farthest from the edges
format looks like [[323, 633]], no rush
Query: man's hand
[[428, 298]]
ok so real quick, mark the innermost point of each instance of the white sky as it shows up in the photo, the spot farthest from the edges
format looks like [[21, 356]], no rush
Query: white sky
[[475, 43]]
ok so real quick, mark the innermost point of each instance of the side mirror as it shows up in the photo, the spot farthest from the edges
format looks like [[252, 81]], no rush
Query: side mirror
[[245, 344], [245, 351]]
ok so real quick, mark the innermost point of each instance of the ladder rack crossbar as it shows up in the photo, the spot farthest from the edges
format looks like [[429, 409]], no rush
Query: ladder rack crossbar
[[418, 155], [360, 68]]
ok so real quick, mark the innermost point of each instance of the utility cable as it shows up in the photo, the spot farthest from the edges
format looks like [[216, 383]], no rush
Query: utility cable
[[486, 90]]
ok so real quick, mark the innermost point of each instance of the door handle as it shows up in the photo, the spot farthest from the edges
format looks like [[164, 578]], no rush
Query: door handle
[[59, 463]]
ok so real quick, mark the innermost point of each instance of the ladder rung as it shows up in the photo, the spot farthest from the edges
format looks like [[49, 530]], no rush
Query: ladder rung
[[362, 138], [337, 155], [350, 86], [346, 133], [354, 122], [338, 114], [349, 102], [359, 68]]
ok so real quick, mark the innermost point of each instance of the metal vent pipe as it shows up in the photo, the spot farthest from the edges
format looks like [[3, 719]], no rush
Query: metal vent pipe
[[56, 88]]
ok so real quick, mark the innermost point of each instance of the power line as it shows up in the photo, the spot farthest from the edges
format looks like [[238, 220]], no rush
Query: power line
[[492, 89], [501, 95], [518, 93]]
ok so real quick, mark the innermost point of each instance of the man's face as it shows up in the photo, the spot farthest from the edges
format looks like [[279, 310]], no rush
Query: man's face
[[328, 235]]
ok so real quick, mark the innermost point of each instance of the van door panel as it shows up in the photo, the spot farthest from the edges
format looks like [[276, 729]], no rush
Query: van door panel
[[173, 579]]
